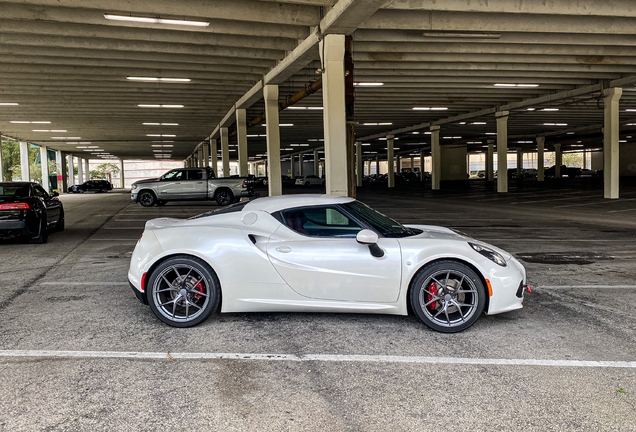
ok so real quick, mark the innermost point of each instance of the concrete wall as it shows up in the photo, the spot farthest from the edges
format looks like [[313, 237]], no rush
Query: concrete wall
[[627, 158]]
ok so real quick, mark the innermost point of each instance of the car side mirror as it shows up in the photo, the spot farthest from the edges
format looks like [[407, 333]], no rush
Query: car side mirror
[[370, 238], [55, 194]]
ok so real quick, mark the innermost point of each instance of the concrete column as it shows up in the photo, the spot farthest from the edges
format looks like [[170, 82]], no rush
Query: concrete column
[[87, 171], [611, 98], [398, 164], [331, 50], [502, 150], [390, 161], [359, 164], [61, 172], [25, 174], [1, 164], [272, 130], [206, 154], [44, 166], [377, 165], [301, 168], [421, 165], [241, 137], [214, 156], [80, 171], [490, 161], [70, 169], [540, 158], [519, 162], [200, 157], [436, 171], [122, 176], [225, 151], [558, 160], [316, 163]]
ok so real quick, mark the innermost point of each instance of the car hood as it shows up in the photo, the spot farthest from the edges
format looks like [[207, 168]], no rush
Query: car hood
[[432, 232], [146, 181]]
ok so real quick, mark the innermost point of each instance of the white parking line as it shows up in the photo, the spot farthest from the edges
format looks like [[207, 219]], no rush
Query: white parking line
[[86, 283], [618, 211], [586, 286], [315, 357]]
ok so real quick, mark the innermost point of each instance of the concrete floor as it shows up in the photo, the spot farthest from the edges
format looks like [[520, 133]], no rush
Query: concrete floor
[[71, 295]]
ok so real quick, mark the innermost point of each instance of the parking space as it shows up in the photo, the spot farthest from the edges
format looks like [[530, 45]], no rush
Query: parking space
[[79, 352]]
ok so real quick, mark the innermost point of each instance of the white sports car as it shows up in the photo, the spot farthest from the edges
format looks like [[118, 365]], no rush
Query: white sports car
[[319, 253]]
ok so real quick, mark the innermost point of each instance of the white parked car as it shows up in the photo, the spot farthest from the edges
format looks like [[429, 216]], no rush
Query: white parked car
[[319, 253], [309, 180]]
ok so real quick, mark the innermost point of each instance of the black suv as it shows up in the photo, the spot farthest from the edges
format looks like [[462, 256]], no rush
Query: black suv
[[91, 185]]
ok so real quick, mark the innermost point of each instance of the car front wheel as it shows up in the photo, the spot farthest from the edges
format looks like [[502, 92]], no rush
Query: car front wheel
[[146, 198], [224, 197], [183, 291], [447, 296]]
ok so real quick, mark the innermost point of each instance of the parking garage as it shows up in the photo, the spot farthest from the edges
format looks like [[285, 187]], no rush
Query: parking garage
[[338, 89]]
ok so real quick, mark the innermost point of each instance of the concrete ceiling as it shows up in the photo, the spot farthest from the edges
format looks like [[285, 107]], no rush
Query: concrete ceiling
[[63, 62]]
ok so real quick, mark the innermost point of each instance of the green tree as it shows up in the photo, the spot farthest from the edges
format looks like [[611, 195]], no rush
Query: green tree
[[104, 171]]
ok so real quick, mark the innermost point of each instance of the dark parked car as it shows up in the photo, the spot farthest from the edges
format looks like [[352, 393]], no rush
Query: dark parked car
[[91, 185], [28, 211], [571, 172]]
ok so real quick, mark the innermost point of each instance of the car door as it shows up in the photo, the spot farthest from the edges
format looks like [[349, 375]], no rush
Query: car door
[[52, 204], [315, 251], [197, 185], [171, 185]]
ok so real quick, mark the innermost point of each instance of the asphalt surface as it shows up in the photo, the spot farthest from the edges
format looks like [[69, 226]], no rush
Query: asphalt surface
[[71, 328]]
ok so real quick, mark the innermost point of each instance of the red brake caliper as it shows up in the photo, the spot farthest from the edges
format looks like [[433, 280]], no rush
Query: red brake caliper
[[432, 289], [199, 288]]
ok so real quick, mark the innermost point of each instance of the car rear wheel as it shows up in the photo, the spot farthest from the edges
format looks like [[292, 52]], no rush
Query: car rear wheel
[[147, 198], [447, 296], [43, 234], [224, 197], [183, 291], [59, 226]]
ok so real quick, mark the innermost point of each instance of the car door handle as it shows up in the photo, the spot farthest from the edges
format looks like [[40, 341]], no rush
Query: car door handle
[[283, 249]]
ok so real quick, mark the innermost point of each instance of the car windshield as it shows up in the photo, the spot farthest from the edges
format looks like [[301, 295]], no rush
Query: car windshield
[[383, 224], [237, 207]]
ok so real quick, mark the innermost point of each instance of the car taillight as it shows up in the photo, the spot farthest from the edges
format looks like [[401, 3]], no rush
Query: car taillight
[[15, 206], [244, 185]]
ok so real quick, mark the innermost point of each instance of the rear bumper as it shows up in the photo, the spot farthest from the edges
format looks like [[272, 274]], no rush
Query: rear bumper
[[140, 296], [13, 228]]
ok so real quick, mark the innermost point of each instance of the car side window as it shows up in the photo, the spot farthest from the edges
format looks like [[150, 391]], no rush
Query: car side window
[[323, 221], [195, 175], [175, 175], [40, 192]]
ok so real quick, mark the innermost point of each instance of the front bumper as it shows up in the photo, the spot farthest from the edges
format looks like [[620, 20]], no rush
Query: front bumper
[[133, 197]]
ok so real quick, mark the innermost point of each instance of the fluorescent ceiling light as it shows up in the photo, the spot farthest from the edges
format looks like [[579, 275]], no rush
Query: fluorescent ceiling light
[[164, 141], [376, 124], [9, 104], [66, 138], [452, 137], [366, 144], [29, 122], [491, 133], [515, 85], [368, 84], [157, 20], [281, 124], [158, 79], [478, 123], [161, 135], [384, 139], [160, 124], [555, 124], [530, 109], [550, 109], [430, 108], [627, 110], [159, 106], [314, 108], [49, 130], [570, 133]]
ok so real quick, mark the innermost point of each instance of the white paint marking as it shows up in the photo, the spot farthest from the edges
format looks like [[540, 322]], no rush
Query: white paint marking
[[85, 283], [586, 286], [124, 228], [618, 211], [316, 357]]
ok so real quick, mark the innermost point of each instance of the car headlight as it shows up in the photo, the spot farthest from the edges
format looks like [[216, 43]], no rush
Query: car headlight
[[489, 253], [133, 187]]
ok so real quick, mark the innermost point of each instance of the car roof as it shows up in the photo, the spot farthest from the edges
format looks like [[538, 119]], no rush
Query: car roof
[[276, 203]]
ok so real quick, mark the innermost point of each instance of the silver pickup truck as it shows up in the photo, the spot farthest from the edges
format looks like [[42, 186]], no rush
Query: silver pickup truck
[[190, 184]]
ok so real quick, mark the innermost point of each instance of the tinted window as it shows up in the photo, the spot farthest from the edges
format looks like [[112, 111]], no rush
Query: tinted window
[[324, 221], [381, 223], [40, 192], [7, 189], [195, 175]]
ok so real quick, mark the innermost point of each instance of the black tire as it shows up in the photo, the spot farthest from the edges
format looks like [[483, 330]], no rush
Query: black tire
[[43, 234], [224, 197], [306, 183], [447, 296], [59, 226], [180, 285], [161, 203], [146, 198]]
